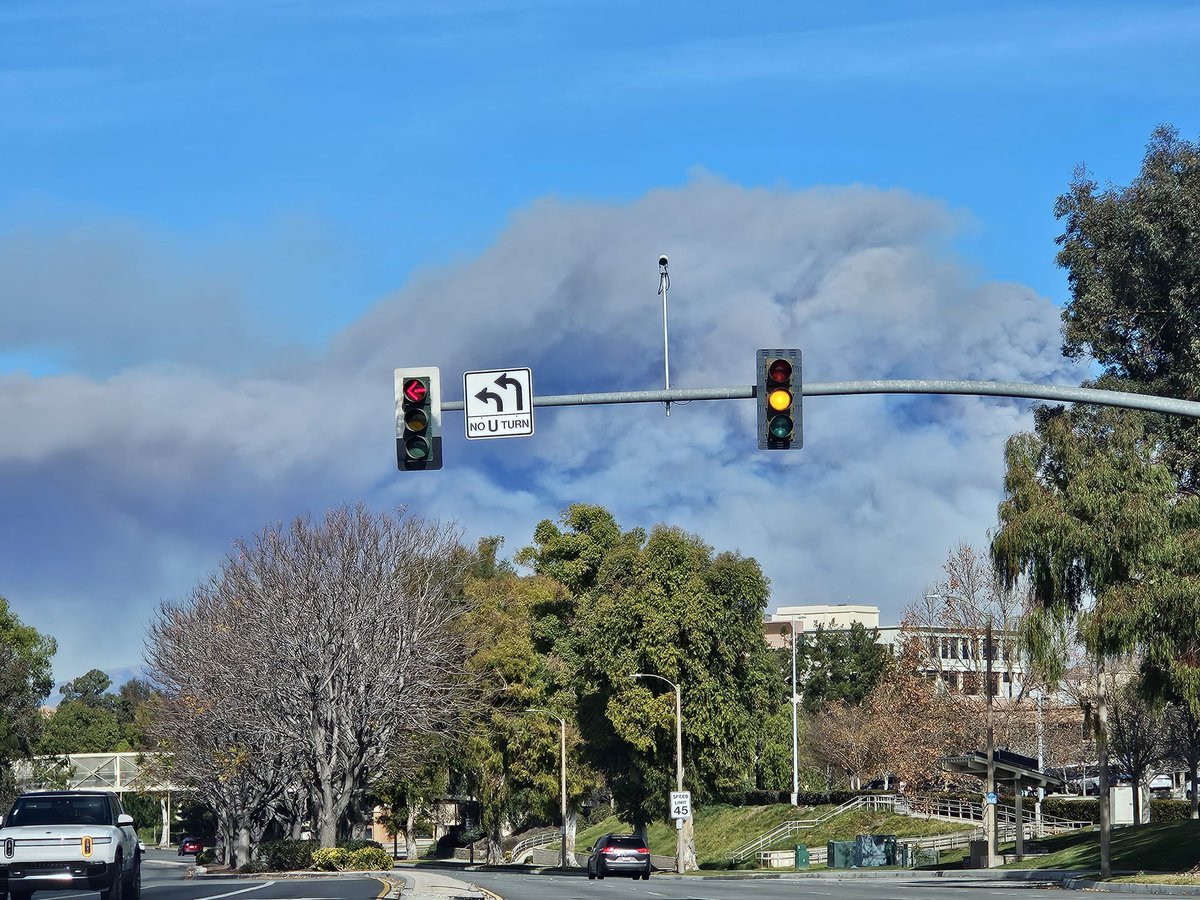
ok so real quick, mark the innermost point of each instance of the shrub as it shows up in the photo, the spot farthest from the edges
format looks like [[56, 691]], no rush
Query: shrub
[[353, 844], [287, 855], [252, 867], [369, 859], [1170, 810], [328, 859], [1077, 810], [205, 856]]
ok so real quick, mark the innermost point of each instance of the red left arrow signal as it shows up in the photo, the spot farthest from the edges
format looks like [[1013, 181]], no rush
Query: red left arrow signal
[[415, 390]]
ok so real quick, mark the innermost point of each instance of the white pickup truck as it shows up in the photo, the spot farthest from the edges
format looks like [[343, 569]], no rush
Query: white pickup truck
[[69, 840]]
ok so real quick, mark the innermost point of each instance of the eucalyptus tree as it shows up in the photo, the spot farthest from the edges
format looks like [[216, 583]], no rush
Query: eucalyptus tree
[[1100, 508]]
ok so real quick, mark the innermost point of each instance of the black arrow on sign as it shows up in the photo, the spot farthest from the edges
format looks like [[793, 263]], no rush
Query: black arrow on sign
[[506, 380], [485, 395]]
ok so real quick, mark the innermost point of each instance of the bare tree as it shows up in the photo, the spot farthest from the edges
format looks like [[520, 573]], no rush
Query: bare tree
[[321, 644], [952, 619], [844, 737], [209, 721], [1136, 735], [903, 728], [1183, 746]]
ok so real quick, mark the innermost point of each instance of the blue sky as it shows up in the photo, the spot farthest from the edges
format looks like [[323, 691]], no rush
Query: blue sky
[[223, 224]]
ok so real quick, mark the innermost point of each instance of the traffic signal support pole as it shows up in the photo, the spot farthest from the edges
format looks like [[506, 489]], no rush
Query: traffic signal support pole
[[1147, 402]]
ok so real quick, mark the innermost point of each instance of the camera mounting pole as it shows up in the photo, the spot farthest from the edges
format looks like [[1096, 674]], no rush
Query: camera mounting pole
[[664, 284]]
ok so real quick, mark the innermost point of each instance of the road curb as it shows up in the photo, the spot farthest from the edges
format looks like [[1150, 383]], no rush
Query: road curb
[[1131, 887]]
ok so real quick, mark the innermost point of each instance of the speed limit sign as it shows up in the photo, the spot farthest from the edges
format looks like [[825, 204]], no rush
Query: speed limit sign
[[681, 804]]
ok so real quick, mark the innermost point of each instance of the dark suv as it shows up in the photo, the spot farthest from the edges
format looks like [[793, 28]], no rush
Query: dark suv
[[619, 854]]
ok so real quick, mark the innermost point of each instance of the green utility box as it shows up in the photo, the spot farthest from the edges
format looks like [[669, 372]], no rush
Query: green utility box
[[801, 856], [840, 855], [926, 856]]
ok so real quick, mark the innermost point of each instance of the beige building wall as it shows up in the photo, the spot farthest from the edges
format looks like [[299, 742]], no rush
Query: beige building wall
[[830, 616]]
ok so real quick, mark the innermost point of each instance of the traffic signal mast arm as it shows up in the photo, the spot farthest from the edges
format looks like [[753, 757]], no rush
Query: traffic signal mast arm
[[1146, 402]]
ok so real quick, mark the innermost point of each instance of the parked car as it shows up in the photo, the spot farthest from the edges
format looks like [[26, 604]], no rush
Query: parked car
[[191, 845], [619, 854], [1162, 785]]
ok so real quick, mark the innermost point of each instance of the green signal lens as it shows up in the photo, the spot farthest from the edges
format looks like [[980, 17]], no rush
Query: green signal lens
[[416, 448], [781, 427]]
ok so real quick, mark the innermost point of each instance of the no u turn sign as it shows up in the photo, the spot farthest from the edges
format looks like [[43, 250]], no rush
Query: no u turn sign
[[498, 403]]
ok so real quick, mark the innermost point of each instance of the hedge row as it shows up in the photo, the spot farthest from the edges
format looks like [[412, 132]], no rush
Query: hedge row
[[1088, 810]]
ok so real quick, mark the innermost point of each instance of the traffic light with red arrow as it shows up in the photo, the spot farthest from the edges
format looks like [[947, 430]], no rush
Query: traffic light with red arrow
[[418, 419]]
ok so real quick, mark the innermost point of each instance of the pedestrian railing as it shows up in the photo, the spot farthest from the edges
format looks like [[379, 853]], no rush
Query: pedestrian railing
[[940, 808], [784, 830], [534, 842]]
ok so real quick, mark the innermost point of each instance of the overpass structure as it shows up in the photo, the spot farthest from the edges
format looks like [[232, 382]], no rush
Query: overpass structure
[[142, 773], [117, 772]]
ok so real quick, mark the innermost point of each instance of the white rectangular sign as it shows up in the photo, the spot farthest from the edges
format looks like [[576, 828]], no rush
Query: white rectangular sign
[[681, 804], [498, 403]]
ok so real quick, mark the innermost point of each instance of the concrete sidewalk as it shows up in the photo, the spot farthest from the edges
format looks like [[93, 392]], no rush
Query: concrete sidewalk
[[432, 884]]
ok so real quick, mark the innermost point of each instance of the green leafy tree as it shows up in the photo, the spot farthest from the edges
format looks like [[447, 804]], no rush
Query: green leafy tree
[[92, 719], [25, 683], [419, 777], [662, 604], [837, 665], [77, 727], [90, 689], [511, 759]]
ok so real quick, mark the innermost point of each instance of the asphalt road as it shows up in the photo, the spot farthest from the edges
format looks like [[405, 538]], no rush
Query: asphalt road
[[545, 886], [164, 877]]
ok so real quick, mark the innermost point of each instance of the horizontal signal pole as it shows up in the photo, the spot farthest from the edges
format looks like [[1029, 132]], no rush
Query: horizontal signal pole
[[1145, 402]]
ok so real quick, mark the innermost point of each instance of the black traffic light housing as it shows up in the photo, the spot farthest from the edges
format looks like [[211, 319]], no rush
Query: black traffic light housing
[[418, 419], [779, 395]]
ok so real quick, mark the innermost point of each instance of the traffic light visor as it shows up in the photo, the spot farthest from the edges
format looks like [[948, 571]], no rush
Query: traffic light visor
[[780, 371]]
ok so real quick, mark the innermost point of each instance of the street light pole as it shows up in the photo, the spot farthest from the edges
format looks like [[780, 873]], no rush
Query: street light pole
[[795, 727], [990, 808], [682, 835], [562, 799]]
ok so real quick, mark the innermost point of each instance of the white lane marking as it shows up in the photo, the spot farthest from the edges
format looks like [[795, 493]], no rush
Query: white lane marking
[[257, 887]]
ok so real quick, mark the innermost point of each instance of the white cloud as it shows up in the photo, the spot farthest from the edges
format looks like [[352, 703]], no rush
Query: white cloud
[[126, 490]]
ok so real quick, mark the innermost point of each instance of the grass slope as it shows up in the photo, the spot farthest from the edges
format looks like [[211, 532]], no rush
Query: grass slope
[[722, 828], [1166, 847]]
